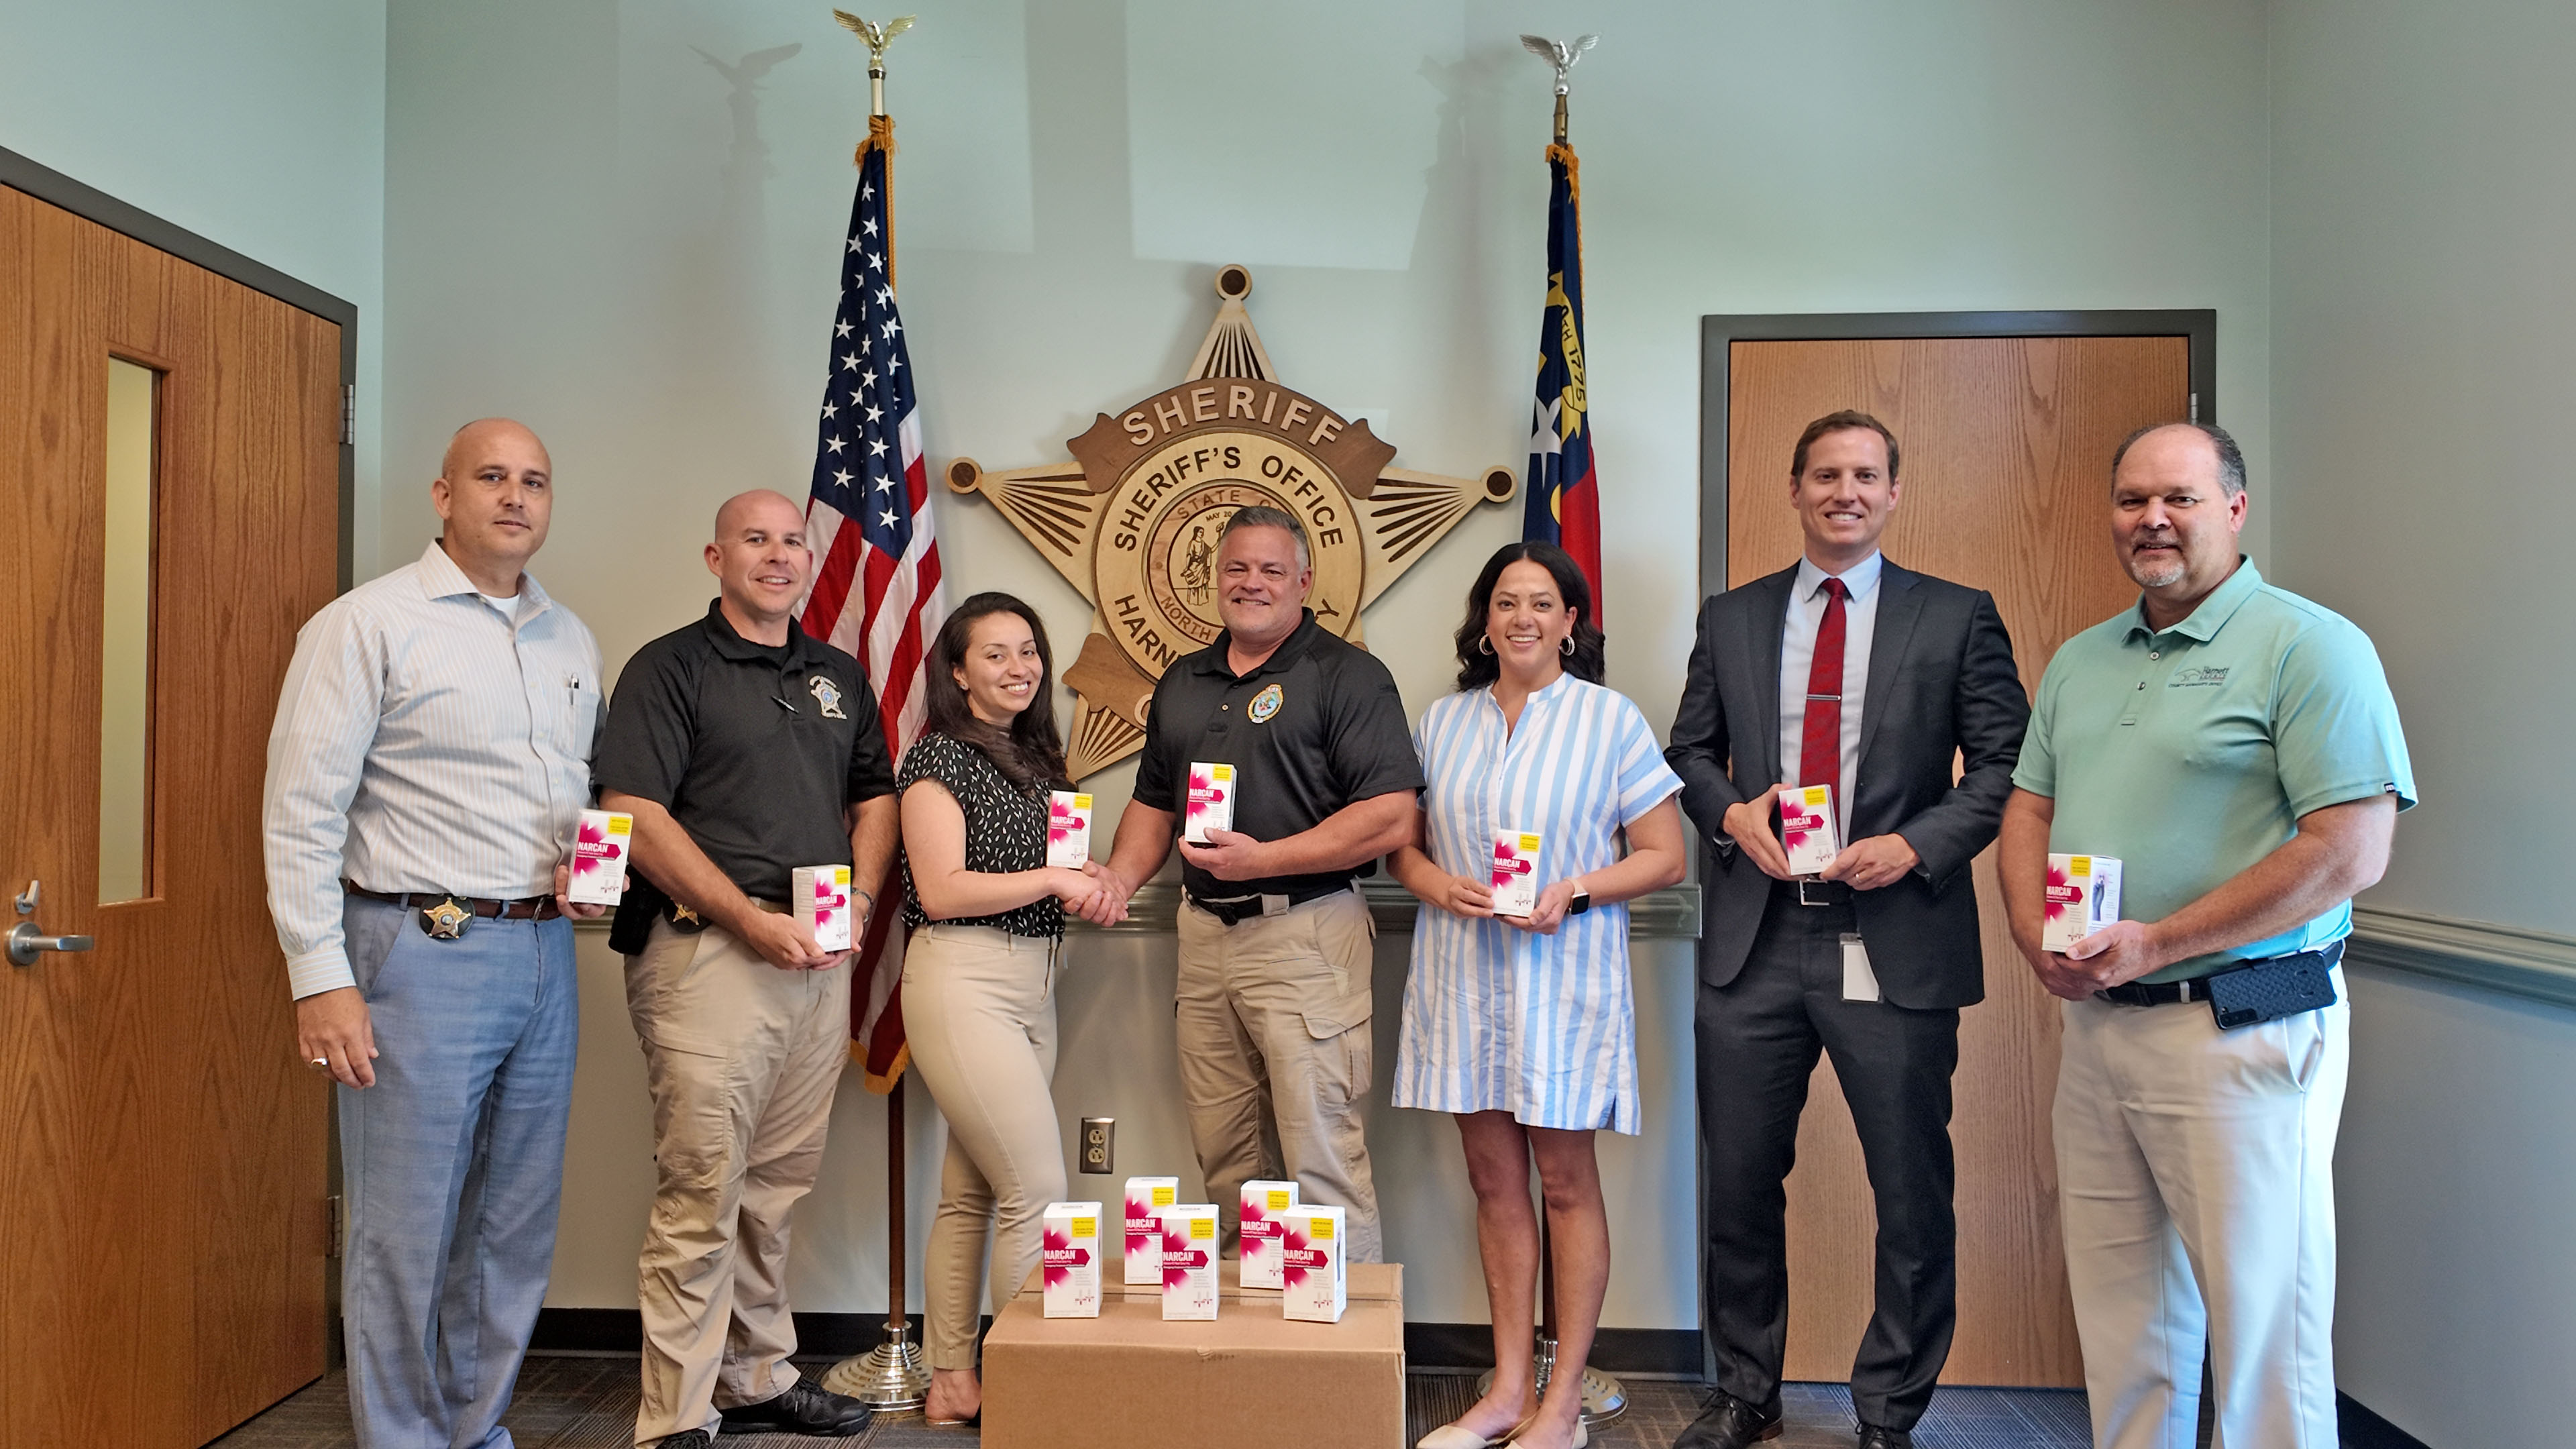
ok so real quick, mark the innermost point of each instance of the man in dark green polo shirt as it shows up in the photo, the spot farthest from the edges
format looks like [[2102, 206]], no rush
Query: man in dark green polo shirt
[[1275, 945], [2235, 747], [744, 748]]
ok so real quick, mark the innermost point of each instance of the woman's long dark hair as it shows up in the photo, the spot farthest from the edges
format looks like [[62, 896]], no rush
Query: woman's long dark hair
[[1476, 668], [1030, 754]]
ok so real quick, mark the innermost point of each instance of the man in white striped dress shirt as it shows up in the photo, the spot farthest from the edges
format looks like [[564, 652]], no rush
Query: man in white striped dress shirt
[[428, 766]]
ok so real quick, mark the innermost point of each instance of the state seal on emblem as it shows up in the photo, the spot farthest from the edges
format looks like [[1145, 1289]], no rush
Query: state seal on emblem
[[827, 694], [1133, 520]]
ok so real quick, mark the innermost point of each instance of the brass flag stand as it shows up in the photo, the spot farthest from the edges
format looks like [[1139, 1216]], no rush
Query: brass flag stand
[[892, 1375]]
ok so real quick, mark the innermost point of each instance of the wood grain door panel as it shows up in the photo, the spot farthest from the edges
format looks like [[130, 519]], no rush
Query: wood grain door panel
[[162, 1209], [2005, 477]]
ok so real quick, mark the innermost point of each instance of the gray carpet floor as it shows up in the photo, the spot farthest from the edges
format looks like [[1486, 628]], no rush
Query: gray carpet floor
[[586, 1402]]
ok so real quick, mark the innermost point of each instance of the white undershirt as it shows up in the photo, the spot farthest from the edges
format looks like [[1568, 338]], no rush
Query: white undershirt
[[1797, 657]]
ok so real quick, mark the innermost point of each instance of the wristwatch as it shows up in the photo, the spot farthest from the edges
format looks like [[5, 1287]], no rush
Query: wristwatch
[[1582, 902]]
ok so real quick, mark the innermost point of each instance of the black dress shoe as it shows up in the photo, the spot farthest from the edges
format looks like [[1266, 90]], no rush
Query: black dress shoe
[[806, 1408], [1728, 1423], [1874, 1437]]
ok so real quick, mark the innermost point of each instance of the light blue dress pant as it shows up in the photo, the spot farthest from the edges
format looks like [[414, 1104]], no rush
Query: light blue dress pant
[[452, 1166]]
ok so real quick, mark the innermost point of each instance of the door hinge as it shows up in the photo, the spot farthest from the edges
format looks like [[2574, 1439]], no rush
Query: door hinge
[[2195, 407], [348, 414], [339, 1226]]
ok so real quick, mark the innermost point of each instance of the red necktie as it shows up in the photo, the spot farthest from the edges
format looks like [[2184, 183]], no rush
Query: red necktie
[[1820, 749]]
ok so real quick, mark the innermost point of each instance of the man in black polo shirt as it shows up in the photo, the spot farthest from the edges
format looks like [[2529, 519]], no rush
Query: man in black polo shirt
[[1275, 945], [744, 749]]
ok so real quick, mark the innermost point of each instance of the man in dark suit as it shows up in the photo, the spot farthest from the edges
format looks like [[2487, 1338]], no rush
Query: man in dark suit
[[1844, 670]]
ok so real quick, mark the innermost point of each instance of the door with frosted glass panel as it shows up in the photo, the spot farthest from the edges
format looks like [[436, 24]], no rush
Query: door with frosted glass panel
[[169, 466]]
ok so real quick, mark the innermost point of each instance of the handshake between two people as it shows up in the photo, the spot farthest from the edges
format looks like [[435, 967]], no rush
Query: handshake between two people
[[1098, 892]]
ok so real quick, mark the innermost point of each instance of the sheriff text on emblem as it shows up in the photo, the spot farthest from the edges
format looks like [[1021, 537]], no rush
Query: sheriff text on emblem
[[1133, 520]]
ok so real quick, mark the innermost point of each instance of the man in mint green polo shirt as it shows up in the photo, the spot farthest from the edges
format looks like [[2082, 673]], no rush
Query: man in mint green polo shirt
[[2235, 747]]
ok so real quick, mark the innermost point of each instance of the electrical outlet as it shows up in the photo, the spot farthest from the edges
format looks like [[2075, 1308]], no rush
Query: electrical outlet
[[1099, 1144]]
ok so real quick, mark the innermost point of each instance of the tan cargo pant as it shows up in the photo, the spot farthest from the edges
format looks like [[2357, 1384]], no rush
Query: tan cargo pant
[[1276, 1052], [742, 1059]]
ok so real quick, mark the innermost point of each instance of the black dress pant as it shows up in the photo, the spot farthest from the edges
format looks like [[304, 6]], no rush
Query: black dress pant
[[1758, 1037]]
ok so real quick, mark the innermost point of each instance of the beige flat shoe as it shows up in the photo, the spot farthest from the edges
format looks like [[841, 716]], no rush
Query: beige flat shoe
[[1453, 1436], [1582, 1436]]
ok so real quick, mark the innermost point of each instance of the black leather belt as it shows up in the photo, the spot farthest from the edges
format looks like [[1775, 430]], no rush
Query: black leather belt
[[1806, 890], [1244, 908], [526, 908], [2169, 993]]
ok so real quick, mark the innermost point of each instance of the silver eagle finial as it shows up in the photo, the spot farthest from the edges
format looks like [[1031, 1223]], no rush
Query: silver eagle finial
[[1559, 53]]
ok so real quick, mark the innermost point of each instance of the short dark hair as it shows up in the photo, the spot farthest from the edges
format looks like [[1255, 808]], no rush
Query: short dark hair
[[1030, 754], [2231, 459], [1259, 515], [1843, 421], [1476, 668]]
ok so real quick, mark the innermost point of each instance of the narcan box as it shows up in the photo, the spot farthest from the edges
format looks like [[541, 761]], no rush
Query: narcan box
[[601, 845], [1189, 1260], [1807, 827], [1211, 802], [2083, 897], [822, 892], [1142, 1259], [1068, 830], [1263, 1204], [1515, 872], [1311, 1261], [1071, 1251]]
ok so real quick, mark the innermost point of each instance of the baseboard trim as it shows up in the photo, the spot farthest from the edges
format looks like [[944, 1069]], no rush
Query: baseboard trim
[[2363, 1429], [1656, 1353], [1642, 1352]]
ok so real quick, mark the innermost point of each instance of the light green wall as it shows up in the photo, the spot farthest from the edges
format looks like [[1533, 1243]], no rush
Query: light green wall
[[258, 124], [2424, 187]]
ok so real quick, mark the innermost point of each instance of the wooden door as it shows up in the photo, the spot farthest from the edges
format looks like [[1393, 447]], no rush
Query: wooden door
[[163, 1223], [2006, 472]]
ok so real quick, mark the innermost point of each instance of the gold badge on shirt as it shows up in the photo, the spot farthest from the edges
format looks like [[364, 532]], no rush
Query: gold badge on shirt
[[828, 695]]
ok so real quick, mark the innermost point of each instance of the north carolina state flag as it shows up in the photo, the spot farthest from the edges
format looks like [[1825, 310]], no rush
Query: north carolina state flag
[[1564, 498]]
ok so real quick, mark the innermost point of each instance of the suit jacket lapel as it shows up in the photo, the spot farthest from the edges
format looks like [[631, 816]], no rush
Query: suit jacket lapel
[[1769, 622], [1898, 607]]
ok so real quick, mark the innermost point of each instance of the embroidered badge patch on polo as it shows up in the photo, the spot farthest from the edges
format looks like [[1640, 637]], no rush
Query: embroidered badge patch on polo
[[1264, 705], [828, 695]]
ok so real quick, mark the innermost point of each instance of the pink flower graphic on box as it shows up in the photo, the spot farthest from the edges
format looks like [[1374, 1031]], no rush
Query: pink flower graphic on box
[[1298, 1257], [1061, 1257], [1508, 862], [2063, 894], [591, 846], [1179, 1258]]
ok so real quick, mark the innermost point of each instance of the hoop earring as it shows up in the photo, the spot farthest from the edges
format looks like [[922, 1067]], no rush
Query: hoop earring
[[1565, 646], [1485, 644]]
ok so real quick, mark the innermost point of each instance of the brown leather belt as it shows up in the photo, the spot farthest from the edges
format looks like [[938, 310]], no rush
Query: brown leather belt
[[527, 908]]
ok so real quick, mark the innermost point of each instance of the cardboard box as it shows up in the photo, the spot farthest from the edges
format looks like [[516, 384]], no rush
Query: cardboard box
[[1313, 1264], [1251, 1380], [2083, 897], [1807, 827], [823, 893], [1071, 1259], [1211, 802], [1068, 830], [1515, 872], [1189, 1260], [601, 844], [1141, 1255], [1263, 1203]]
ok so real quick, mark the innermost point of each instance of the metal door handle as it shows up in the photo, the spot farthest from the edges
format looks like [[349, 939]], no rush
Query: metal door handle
[[26, 943]]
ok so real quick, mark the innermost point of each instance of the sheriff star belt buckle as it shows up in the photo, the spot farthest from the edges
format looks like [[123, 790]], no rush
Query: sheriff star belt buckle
[[445, 919]]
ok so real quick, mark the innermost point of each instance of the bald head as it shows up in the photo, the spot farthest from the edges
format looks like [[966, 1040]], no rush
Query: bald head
[[761, 563], [495, 495], [760, 504]]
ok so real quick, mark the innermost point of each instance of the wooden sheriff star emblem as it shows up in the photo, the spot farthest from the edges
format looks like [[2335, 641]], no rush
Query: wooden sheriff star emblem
[[1132, 521]]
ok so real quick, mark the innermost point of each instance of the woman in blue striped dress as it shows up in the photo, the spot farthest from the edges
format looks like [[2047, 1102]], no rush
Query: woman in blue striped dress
[[1523, 1026]]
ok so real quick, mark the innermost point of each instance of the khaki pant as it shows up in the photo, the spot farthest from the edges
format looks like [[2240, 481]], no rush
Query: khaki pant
[[1275, 1055], [979, 1012], [2196, 1183], [742, 1059]]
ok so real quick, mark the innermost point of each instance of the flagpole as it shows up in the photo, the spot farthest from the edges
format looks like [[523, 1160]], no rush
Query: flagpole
[[892, 1375]]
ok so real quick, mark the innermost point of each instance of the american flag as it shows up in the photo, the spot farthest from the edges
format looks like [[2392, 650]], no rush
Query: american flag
[[876, 590]]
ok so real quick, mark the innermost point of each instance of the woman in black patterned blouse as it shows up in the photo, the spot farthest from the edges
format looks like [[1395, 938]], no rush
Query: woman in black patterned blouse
[[979, 976]]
